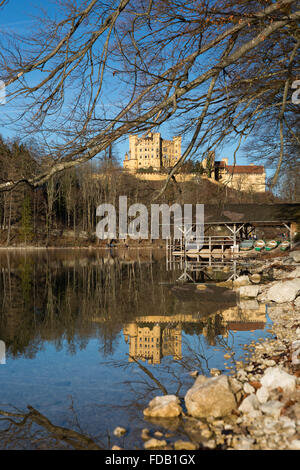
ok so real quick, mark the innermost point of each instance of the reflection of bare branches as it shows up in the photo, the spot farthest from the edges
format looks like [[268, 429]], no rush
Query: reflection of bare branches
[[75, 420], [195, 357], [149, 374], [22, 426], [225, 342]]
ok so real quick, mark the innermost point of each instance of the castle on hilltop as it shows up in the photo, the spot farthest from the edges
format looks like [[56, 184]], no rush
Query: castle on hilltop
[[148, 156], [152, 152]]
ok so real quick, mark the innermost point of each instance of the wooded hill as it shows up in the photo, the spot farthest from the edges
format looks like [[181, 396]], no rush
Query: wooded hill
[[65, 206]]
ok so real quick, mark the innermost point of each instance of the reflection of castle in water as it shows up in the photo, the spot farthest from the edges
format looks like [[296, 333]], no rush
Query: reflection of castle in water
[[153, 337], [154, 341]]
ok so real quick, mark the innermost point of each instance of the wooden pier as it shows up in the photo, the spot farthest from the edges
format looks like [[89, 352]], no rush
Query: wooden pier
[[224, 228], [214, 253]]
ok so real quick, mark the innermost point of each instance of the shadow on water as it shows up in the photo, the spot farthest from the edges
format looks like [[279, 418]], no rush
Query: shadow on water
[[91, 336]]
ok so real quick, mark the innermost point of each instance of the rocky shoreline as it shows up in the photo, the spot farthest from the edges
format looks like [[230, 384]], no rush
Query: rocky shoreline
[[258, 406]]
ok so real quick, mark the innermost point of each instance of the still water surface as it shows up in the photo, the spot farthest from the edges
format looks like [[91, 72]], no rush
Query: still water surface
[[91, 336]]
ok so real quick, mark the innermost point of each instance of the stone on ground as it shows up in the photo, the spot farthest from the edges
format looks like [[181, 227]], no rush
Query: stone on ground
[[249, 404], [167, 406], [119, 431], [249, 292], [275, 377], [295, 255], [241, 281], [284, 291], [210, 397], [155, 444], [184, 445]]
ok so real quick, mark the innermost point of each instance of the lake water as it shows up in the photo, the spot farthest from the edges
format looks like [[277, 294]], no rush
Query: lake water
[[91, 336]]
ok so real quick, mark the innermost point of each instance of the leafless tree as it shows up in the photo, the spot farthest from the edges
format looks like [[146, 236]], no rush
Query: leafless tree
[[103, 70], [36, 428]]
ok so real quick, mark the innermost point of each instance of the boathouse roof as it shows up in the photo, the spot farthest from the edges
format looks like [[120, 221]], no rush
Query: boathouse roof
[[251, 213]]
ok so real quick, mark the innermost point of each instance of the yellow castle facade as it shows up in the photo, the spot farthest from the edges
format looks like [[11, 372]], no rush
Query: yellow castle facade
[[151, 338], [152, 152]]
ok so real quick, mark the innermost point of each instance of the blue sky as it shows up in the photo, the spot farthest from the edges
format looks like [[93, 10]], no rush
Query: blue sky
[[18, 16]]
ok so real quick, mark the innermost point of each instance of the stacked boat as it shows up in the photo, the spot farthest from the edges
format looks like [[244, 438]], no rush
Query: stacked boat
[[246, 245], [270, 245], [285, 245], [260, 245]]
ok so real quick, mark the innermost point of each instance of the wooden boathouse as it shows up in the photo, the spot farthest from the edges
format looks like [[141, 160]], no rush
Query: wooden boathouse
[[224, 228]]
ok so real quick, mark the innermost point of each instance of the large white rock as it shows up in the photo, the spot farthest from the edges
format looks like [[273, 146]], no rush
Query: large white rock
[[272, 408], [167, 406], [283, 274], [295, 255], [248, 388], [210, 397], [262, 394], [249, 404], [284, 291], [276, 377], [241, 281], [249, 291]]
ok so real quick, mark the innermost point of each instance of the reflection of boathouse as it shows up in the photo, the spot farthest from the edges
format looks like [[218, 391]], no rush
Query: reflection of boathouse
[[247, 316]]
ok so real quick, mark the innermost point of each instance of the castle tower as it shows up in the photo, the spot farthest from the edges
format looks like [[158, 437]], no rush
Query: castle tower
[[152, 152]]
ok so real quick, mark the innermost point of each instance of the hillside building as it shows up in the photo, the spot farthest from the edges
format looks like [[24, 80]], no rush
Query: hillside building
[[250, 178], [152, 152]]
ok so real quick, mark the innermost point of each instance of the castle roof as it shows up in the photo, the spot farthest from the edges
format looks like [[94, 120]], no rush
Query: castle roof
[[240, 169], [246, 169], [242, 213]]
